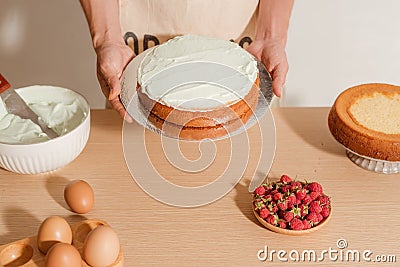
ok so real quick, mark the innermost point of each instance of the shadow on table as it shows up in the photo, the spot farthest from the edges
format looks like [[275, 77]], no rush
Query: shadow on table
[[55, 187], [313, 128], [75, 218], [243, 201], [19, 224]]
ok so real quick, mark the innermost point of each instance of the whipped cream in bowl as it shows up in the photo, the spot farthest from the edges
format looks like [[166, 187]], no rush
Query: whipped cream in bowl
[[24, 148]]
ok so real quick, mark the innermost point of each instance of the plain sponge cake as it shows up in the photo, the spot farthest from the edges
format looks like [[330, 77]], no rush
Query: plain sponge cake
[[378, 112], [366, 120]]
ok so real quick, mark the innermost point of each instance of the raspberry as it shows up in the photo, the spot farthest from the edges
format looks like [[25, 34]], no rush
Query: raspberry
[[273, 192], [307, 200], [301, 194], [325, 211], [282, 205], [268, 186], [291, 199], [315, 187], [288, 216], [282, 224], [264, 213], [296, 185], [296, 224], [259, 204], [303, 210], [313, 217], [290, 205], [268, 198], [324, 200], [314, 195], [320, 217], [315, 207], [286, 188], [277, 196], [306, 225], [298, 202], [272, 207], [275, 208], [260, 190], [285, 179], [271, 219]]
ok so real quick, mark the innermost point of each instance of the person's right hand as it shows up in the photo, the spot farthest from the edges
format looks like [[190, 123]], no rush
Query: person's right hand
[[112, 58]]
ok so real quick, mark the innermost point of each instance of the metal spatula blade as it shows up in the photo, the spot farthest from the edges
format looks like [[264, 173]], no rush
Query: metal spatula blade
[[17, 106]]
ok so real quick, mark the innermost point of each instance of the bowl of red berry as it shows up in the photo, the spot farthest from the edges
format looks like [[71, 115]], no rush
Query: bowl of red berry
[[291, 207]]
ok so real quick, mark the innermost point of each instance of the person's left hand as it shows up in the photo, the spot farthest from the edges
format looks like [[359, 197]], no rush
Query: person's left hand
[[272, 54]]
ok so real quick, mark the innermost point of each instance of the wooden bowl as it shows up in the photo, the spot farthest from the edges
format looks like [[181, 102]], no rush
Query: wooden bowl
[[25, 252], [292, 232]]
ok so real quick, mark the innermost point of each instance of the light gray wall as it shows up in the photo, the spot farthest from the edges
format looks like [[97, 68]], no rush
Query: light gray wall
[[340, 43], [48, 42], [333, 44]]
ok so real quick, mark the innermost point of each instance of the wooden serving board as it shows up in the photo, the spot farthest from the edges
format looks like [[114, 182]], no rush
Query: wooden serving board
[[25, 252]]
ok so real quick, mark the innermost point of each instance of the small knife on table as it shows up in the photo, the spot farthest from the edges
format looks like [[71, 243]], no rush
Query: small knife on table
[[17, 106]]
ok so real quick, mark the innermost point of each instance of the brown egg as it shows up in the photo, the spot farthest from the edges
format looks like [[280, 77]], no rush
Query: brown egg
[[101, 247], [53, 230], [63, 255], [79, 196]]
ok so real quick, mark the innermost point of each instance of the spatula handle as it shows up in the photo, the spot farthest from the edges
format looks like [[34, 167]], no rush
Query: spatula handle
[[4, 84]]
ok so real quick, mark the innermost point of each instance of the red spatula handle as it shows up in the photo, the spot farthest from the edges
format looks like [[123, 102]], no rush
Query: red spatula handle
[[4, 84]]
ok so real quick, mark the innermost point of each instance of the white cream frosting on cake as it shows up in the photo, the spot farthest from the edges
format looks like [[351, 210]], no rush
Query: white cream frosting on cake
[[197, 73]]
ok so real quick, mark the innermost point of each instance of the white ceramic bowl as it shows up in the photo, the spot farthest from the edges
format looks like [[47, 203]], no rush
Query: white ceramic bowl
[[52, 154]]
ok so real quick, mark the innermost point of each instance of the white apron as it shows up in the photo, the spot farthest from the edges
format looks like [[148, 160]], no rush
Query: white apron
[[146, 23]]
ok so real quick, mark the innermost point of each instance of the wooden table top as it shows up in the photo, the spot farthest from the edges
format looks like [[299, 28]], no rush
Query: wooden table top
[[223, 233]]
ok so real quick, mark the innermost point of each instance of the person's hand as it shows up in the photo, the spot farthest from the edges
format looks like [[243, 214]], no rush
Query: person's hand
[[272, 54], [112, 58]]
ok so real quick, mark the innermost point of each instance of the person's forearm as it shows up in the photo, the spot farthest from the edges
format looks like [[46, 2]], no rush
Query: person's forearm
[[273, 19], [103, 20]]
